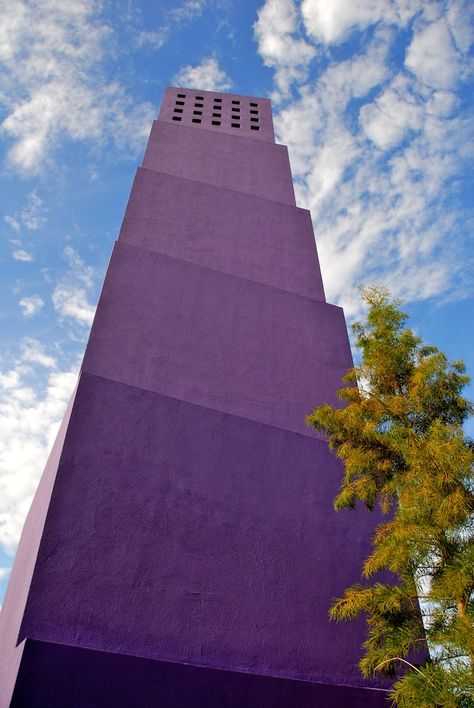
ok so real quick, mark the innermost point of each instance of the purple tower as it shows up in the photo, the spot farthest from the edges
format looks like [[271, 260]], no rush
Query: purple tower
[[182, 549]]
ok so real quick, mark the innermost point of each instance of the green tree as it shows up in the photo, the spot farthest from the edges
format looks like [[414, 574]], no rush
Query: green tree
[[401, 440]]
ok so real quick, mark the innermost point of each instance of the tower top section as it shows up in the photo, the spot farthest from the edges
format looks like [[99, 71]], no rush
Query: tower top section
[[247, 116]]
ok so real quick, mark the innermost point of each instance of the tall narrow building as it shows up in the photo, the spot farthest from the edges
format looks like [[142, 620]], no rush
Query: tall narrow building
[[182, 548]]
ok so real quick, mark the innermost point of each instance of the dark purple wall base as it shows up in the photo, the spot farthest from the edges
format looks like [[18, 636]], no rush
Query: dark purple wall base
[[55, 676]]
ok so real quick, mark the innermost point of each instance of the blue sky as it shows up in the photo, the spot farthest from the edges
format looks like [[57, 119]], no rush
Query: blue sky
[[373, 97]]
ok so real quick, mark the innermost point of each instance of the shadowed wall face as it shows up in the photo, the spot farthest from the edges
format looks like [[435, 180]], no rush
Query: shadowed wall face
[[191, 518]]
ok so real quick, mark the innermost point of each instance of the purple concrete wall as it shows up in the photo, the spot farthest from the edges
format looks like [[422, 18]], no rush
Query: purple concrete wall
[[191, 518], [52, 677], [180, 533], [19, 585], [222, 113], [224, 230], [254, 167], [210, 338]]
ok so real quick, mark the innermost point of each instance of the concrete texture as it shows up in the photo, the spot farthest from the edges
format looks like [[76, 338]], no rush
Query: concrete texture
[[190, 551], [207, 533], [234, 162], [51, 676], [19, 585], [210, 338], [224, 230]]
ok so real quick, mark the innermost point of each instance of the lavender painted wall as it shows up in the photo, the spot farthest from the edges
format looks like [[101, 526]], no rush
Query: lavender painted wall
[[191, 518], [225, 230], [235, 162]]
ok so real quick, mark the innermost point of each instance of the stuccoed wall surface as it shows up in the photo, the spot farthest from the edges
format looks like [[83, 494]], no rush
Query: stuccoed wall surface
[[225, 230], [230, 161], [216, 340], [191, 516], [11, 646], [199, 537]]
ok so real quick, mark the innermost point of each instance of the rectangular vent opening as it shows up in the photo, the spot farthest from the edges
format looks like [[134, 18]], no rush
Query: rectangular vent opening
[[254, 120], [178, 110], [176, 117], [180, 103], [254, 127], [235, 109], [216, 122], [235, 125], [198, 105], [181, 95], [255, 113], [254, 105], [199, 98], [218, 100], [236, 102], [216, 115], [197, 113], [196, 120]]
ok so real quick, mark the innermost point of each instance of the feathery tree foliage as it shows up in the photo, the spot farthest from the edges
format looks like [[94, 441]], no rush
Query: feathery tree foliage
[[401, 440]]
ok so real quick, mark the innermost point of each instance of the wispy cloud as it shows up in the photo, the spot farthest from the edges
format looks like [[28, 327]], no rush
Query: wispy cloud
[[54, 85], [176, 17], [207, 75], [29, 419], [373, 148], [32, 213], [31, 216], [281, 45], [31, 305], [12, 222], [71, 295], [21, 255]]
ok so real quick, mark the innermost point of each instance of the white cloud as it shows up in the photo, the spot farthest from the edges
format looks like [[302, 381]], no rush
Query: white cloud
[[70, 296], [71, 301], [4, 572], [81, 271], [175, 18], [154, 39], [374, 150], [30, 215], [12, 222], [207, 76], [53, 85], [331, 22], [396, 111], [33, 351], [433, 57], [189, 10], [279, 45], [29, 419], [31, 305], [21, 255]]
